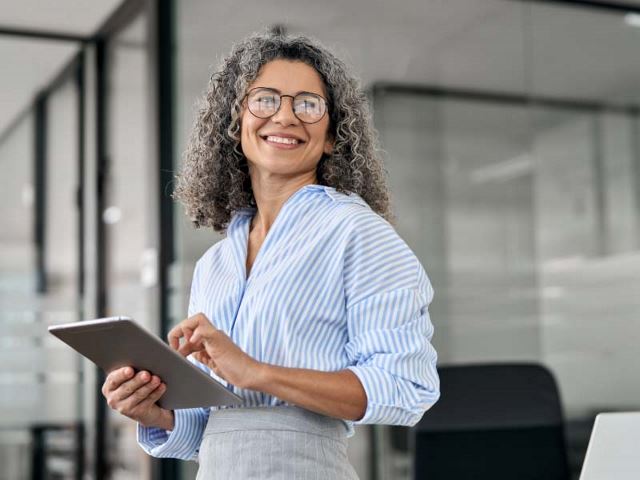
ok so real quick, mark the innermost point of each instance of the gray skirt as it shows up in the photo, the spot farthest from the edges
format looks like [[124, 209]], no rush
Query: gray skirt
[[265, 443]]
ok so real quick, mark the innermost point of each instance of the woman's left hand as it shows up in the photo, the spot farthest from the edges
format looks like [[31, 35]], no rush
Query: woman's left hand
[[215, 349]]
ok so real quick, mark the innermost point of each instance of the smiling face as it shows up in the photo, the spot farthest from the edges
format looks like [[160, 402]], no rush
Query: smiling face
[[267, 142]]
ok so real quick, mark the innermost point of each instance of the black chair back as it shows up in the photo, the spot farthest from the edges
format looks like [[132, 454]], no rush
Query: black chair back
[[498, 422]]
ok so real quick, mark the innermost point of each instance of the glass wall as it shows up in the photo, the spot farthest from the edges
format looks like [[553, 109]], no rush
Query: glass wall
[[586, 216], [130, 213], [537, 206], [47, 392], [61, 399], [462, 182], [41, 381], [536, 197], [510, 132], [17, 286]]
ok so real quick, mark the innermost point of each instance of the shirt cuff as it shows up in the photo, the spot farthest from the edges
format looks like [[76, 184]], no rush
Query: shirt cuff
[[182, 442], [383, 398]]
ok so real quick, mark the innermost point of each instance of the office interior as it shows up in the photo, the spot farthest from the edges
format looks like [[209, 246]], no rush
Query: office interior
[[511, 135]]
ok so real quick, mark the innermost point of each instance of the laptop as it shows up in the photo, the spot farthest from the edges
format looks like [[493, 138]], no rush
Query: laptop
[[614, 448]]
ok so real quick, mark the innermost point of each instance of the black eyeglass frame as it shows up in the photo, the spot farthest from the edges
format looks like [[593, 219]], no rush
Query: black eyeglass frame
[[292, 97]]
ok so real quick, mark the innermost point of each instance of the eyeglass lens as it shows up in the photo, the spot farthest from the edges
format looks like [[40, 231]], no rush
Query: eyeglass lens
[[309, 108]]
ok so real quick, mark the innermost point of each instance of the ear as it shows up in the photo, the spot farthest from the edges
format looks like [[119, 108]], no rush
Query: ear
[[328, 145]]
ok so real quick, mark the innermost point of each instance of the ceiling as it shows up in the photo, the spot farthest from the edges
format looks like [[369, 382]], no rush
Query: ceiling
[[33, 63], [81, 17], [505, 46], [470, 44]]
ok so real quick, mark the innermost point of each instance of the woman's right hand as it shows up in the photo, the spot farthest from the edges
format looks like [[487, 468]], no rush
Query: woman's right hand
[[135, 396]]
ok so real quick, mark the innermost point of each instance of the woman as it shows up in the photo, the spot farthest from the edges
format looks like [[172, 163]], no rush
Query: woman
[[312, 308]]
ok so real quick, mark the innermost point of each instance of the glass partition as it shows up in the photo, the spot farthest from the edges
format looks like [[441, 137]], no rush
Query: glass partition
[[526, 218], [130, 213], [462, 180], [589, 256], [17, 295], [40, 378], [61, 399]]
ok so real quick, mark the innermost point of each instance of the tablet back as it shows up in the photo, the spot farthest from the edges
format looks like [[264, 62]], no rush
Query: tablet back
[[116, 342]]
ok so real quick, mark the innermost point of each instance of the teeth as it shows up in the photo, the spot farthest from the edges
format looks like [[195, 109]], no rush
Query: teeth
[[289, 141]]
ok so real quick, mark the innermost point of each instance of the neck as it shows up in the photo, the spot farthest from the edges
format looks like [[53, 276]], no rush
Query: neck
[[269, 200]]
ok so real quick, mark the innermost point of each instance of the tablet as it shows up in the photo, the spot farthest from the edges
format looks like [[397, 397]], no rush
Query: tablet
[[116, 342]]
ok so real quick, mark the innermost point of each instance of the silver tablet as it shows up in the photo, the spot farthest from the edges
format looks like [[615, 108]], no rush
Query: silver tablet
[[116, 342]]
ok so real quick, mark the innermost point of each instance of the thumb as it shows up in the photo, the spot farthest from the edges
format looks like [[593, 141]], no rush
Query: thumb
[[196, 337]]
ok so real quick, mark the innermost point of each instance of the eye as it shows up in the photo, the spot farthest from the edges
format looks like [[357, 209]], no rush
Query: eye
[[310, 104], [307, 104], [263, 101], [266, 100]]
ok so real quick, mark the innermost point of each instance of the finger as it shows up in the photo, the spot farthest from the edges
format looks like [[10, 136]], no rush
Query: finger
[[214, 369], [204, 331], [187, 333], [199, 356], [174, 336], [128, 388], [142, 393], [204, 320], [177, 332], [188, 348], [117, 378], [144, 405], [202, 357], [207, 359], [196, 336]]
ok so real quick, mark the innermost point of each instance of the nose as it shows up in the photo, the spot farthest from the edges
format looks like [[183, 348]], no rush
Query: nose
[[285, 115]]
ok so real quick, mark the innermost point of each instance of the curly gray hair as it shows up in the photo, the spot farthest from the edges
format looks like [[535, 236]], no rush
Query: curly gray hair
[[214, 181]]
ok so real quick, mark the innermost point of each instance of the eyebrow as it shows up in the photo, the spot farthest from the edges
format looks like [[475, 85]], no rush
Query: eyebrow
[[301, 91]]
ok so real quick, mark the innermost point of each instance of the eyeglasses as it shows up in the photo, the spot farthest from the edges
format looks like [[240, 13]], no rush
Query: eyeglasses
[[265, 102]]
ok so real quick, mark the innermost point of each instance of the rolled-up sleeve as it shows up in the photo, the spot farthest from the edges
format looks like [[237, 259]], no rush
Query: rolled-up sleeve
[[389, 327], [183, 442]]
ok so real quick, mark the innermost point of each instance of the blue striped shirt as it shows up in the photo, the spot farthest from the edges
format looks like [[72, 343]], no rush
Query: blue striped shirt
[[333, 287]]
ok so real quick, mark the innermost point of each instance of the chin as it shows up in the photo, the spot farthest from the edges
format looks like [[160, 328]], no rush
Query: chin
[[275, 166]]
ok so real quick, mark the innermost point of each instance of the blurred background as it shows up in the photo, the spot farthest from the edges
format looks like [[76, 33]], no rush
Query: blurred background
[[511, 132]]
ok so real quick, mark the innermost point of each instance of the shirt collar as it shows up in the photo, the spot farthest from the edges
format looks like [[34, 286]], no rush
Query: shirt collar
[[330, 191]]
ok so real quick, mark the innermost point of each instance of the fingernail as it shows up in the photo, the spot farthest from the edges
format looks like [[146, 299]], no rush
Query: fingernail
[[128, 372]]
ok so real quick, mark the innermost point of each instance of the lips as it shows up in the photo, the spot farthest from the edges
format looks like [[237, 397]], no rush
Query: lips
[[281, 143], [284, 139]]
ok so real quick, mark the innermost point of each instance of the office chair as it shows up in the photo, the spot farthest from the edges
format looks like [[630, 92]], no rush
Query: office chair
[[498, 422]]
